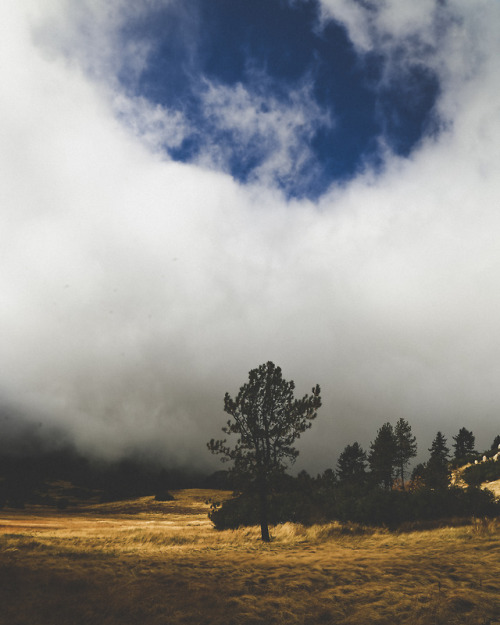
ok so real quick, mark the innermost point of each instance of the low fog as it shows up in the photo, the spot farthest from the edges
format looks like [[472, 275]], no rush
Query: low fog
[[135, 291]]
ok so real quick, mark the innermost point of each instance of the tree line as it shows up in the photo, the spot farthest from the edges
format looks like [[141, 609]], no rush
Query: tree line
[[372, 486], [386, 463]]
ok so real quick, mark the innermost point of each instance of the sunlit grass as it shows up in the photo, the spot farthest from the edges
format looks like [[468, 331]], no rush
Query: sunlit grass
[[162, 563]]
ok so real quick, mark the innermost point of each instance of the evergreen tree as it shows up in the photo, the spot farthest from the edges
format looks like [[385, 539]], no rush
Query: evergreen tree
[[495, 445], [464, 444], [328, 477], [267, 420], [418, 476], [406, 447], [436, 473], [351, 465], [383, 456]]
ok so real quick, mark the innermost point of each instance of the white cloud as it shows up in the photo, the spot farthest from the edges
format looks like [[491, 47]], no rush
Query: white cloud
[[135, 291], [159, 128], [375, 24], [275, 132]]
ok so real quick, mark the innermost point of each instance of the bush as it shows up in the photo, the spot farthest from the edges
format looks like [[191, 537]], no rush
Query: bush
[[476, 474], [234, 513], [164, 495], [375, 506], [293, 503]]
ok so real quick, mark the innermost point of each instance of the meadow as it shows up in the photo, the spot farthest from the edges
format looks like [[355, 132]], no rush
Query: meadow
[[162, 563]]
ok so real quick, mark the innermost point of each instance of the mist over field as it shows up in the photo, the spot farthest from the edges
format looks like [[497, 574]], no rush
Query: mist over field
[[175, 212]]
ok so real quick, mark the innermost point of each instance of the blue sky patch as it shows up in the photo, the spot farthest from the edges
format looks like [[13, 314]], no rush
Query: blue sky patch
[[270, 94]]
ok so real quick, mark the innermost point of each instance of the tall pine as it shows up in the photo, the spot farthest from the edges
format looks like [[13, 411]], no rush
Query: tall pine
[[351, 465], [383, 456], [436, 472], [464, 444], [266, 419], [406, 447]]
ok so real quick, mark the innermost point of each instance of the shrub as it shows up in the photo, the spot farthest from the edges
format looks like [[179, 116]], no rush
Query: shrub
[[164, 495], [62, 503], [368, 506], [487, 471]]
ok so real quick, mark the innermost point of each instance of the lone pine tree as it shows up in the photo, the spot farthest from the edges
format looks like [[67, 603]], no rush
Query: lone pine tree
[[267, 420]]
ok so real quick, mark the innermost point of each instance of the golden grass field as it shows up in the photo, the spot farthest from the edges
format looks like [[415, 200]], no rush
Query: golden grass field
[[152, 563]]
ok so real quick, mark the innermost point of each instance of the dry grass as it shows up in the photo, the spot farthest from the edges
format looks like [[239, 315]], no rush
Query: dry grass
[[155, 563]]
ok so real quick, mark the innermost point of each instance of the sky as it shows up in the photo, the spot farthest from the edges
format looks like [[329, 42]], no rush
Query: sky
[[190, 189]]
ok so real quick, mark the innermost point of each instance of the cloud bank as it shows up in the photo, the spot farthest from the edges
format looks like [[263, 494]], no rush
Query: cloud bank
[[135, 290]]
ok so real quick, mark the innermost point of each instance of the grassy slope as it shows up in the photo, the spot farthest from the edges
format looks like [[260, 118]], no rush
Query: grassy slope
[[158, 563]]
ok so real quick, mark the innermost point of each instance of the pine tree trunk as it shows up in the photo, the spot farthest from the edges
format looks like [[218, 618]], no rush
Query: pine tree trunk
[[264, 529]]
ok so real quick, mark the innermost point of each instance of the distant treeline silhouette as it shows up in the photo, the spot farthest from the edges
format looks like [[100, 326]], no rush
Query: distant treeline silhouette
[[29, 479]]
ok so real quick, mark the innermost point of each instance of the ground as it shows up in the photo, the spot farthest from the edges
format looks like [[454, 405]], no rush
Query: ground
[[162, 563]]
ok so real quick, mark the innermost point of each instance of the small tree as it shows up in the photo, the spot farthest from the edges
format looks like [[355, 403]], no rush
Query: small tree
[[464, 444], [436, 472], [351, 465], [418, 476], [406, 447], [383, 456], [267, 420]]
